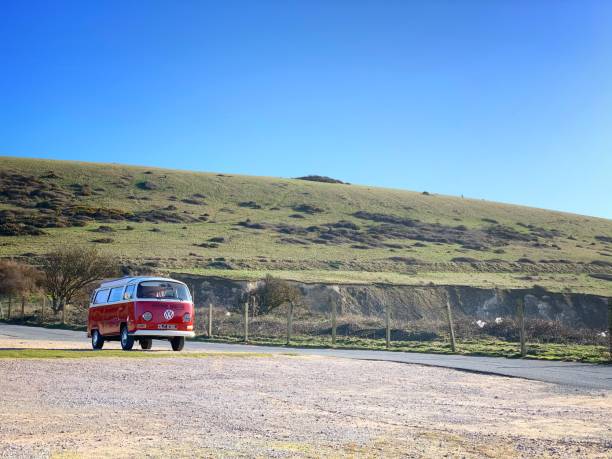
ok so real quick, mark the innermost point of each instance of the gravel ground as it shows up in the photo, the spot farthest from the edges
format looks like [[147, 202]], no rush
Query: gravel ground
[[285, 406]]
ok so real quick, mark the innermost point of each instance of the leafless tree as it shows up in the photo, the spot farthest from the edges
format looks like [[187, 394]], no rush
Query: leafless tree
[[68, 271], [18, 280]]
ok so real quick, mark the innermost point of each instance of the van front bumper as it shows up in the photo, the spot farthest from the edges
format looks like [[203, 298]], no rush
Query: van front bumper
[[163, 333]]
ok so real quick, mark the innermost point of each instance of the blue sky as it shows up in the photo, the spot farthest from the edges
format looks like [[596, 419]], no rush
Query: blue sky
[[503, 100]]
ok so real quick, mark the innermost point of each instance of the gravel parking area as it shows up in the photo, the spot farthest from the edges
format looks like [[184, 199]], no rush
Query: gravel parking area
[[283, 406]]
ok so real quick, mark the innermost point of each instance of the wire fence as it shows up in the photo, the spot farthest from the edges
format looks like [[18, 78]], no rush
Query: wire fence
[[511, 335]]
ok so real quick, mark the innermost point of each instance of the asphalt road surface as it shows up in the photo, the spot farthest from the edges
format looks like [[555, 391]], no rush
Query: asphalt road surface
[[582, 375]]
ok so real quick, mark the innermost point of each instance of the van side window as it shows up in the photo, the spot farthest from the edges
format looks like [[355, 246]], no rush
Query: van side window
[[115, 294], [101, 296], [129, 292]]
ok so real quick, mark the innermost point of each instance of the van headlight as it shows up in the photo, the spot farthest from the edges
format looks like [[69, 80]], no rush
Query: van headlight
[[186, 317], [147, 316]]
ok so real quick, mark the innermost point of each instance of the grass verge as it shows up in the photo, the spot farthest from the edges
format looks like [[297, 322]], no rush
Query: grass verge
[[29, 322], [483, 347], [78, 354]]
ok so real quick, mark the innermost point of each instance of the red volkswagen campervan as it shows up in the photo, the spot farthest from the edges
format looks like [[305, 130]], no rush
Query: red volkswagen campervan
[[140, 308]]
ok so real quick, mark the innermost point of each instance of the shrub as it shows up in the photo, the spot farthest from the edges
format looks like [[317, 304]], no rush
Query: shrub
[[103, 240], [271, 293], [147, 186], [526, 260], [307, 208], [321, 178], [18, 279], [464, 260]]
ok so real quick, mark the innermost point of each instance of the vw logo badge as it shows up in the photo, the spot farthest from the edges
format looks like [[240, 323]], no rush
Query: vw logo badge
[[168, 314]]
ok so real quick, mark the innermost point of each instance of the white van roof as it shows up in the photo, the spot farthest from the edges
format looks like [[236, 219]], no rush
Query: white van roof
[[132, 279]]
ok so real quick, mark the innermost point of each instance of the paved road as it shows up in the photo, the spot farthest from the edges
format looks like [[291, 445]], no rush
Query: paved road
[[581, 375]]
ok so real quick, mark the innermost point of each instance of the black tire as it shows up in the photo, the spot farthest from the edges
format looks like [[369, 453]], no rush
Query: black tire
[[146, 343], [97, 341], [178, 343], [127, 341]]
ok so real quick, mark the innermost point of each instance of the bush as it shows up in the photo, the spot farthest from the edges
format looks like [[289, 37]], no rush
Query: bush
[[464, 260], [146, 185], [271, 293], [321, 178], [18, 279]]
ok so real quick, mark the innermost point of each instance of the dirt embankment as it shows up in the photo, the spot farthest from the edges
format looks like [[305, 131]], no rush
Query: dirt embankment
[[421, 302]]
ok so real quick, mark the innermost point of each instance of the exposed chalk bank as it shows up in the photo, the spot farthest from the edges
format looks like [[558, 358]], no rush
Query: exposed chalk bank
[[418, 302]]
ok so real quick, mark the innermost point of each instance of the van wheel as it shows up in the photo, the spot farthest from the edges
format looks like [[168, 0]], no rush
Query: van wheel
[[127, 341], [146, 343], [96, 340], [178, 343]]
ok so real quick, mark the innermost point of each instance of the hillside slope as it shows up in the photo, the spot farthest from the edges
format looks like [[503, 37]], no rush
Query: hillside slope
[[242, 227]]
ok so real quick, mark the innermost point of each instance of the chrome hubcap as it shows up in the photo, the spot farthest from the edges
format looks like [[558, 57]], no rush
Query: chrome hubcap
[[124, 336]]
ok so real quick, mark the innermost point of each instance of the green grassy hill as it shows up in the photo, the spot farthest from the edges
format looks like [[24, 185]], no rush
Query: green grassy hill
[[242, 227]]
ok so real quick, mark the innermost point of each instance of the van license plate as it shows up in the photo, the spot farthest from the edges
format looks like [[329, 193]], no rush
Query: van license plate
[[167, 326]]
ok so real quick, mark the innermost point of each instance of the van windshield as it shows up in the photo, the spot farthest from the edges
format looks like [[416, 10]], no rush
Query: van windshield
[[163, 290]]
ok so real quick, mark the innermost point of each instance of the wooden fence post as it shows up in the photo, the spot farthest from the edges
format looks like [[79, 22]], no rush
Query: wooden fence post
[[387, 326], [610, 326], [246, 321], [22, 309], [10, 304], [334, 312], [451, 326], [210, 318], [205, 319], [520, 306], [42, 309], [289, 322]]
